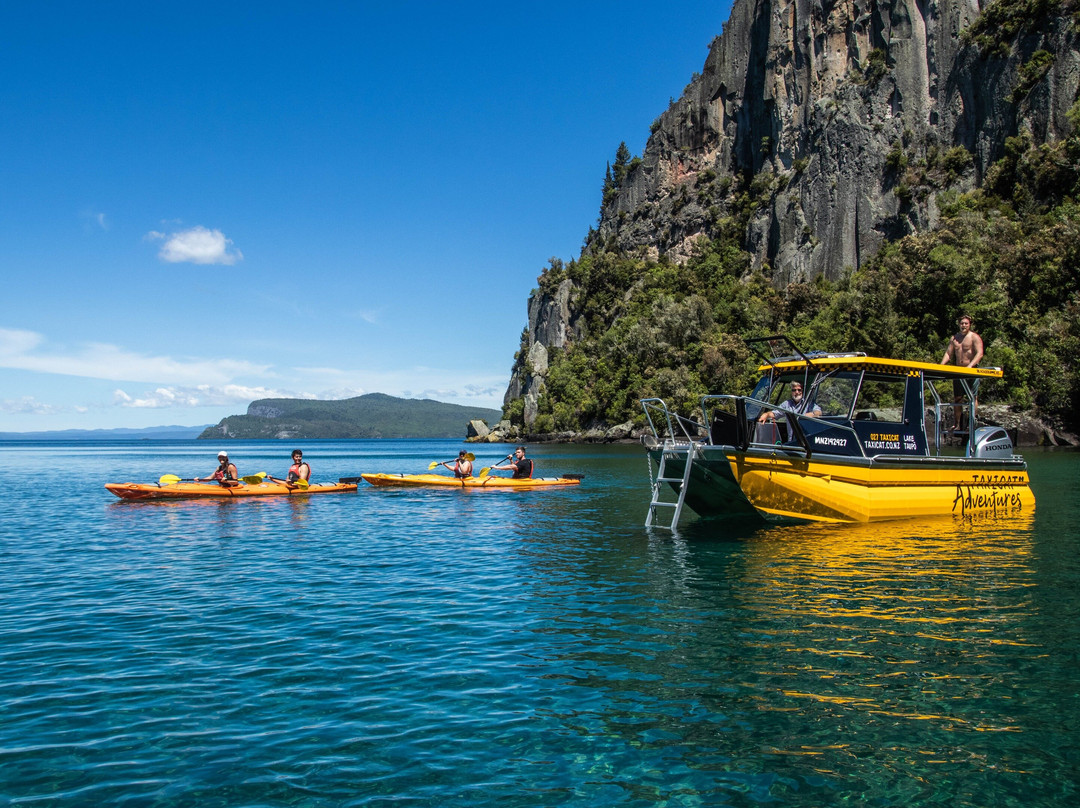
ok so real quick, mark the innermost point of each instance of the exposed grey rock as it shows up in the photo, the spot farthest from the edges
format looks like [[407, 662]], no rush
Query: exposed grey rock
[[817, 94], [264, 410], [477, 429], [620, 431]]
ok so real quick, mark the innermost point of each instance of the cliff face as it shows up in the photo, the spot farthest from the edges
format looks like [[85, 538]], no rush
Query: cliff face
[[840, 122], [818, 95]]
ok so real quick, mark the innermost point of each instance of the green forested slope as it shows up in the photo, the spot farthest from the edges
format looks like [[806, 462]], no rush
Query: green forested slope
[[374, 415]]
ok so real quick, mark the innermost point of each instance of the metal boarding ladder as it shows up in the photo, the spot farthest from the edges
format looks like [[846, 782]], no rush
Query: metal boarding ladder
[[669, 449]]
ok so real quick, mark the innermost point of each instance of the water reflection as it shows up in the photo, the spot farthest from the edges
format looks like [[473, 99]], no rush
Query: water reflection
[[857, 658]]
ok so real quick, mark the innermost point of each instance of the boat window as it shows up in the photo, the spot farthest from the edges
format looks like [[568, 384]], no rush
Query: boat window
[[836, 393], [881, 399], [781, 391], [761, 389]]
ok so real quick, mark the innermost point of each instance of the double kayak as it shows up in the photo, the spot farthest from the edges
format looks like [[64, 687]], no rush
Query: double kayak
[[188, 490], [470, 482]]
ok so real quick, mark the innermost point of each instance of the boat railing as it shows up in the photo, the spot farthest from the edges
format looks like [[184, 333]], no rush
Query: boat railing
[[667, 425], [733, 421]]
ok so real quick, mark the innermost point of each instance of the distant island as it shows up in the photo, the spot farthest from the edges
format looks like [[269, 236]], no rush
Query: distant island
[[121, 433], [374, 415]]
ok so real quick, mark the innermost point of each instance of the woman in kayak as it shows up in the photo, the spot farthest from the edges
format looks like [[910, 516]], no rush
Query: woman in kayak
[[226, 473], [299, 470], [462, 467], [521, 465]]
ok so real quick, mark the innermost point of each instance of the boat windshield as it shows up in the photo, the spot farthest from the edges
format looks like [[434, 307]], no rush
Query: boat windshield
[[835, 393]]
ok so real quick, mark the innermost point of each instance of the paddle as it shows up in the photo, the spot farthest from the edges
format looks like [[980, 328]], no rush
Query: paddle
[[487, 469], [295, 483], [169, 479], [434, 463], [255, 479]]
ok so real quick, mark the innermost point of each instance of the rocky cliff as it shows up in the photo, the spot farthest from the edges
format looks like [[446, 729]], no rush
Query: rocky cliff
[[822, 130], [826, 104]]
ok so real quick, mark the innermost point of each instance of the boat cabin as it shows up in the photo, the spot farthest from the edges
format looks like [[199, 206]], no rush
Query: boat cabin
[[857, 406]]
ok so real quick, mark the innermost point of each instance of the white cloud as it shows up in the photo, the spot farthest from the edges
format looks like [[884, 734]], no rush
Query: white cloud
[[197, 245], [94, 220], [340, 393], [203, 395], [27, 405], [466, 392], [24, 350]]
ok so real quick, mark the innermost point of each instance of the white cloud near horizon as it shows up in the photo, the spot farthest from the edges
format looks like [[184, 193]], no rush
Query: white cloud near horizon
[[203, 395], [196, 245], [26, 350], [27, 405]]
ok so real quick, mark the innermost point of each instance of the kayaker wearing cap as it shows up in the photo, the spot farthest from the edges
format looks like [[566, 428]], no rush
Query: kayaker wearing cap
[[462, 467], [226, 473], [299, 470]]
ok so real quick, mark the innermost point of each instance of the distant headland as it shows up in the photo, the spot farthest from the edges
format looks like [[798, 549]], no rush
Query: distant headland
[[374, 415]]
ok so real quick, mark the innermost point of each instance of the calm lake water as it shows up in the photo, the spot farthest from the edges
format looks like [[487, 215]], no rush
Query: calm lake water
[[476, 648]]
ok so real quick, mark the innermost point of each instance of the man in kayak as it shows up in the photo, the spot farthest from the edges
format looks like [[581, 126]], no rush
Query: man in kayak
[[225, 474], [462, 467], [521, 465], [299, 470]]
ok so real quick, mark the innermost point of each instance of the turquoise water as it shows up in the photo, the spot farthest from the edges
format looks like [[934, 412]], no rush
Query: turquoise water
[[465, 648]]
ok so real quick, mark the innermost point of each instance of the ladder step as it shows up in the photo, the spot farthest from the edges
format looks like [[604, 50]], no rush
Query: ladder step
[[665, 504]]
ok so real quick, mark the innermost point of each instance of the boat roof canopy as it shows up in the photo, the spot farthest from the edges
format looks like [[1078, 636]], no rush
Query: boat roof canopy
[[796, 360]]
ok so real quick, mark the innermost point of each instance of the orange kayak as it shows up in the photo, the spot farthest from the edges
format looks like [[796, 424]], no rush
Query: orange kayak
[[215, 491], [489, 482]]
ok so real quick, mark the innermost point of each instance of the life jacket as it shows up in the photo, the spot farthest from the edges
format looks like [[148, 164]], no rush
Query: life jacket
[[223, 472], [461, 475], [294, 471], [523, 469]]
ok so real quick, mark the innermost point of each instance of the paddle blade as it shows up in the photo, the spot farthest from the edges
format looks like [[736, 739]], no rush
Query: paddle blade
[[254, 479], [470, 456], [484, 471], [168, 479], [432, 464], [301, 483]]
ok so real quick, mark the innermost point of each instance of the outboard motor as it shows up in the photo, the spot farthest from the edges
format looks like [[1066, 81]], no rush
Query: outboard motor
[[993, 441]]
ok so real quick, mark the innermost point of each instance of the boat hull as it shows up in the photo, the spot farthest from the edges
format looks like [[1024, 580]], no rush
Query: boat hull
[[155, 491], [780, 487], [443, 481]]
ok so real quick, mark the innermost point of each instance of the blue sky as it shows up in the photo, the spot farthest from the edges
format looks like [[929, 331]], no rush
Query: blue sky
[[208, 203]]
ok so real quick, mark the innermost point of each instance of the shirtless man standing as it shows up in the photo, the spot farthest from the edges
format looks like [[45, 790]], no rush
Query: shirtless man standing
[[965, 348]]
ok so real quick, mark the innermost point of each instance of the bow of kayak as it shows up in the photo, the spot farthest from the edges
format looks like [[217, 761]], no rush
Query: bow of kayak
[[215, 491], [441, 480]]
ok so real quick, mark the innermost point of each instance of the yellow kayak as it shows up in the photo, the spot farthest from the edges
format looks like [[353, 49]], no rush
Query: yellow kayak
[[187, 490], [469, 482]]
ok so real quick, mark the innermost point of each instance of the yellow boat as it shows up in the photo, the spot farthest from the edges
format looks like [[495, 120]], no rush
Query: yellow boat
[[868, 443], [486, 482]]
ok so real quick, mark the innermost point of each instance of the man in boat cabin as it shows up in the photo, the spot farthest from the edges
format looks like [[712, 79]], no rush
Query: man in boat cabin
[[794, 404], [965, 349], [521, 465], [299, 470], [225, 474]]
